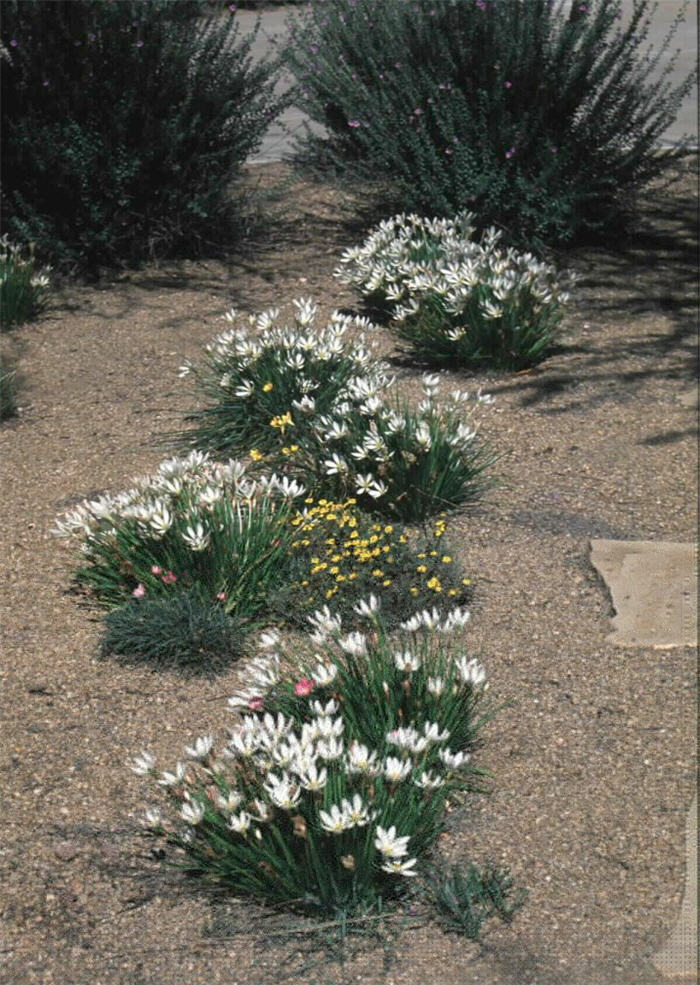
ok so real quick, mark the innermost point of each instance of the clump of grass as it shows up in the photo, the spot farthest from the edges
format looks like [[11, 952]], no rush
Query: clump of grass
[[183, 631], [465, 897], [23, 289]]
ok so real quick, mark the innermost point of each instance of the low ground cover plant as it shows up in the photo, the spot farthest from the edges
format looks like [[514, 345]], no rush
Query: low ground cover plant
[[303, 400], [332, 787], [8, 389], [455, 298], [340, 554], [541, 117], [185, 631], [153, 176], [24, 288], [466, 896], [193, 526]]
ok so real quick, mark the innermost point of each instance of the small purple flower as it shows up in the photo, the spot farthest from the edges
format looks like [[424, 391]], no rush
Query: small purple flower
[[554, 149], [139, 44], [508, 85], [314, 49], [232, 7], [14, 43], [509, 153], [397, 65], [45, 83], [417, 112], [92, 37], [354, 124]]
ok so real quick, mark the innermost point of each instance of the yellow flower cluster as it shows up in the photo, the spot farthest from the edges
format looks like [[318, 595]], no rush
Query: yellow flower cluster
[[343, 546], [282, 421]]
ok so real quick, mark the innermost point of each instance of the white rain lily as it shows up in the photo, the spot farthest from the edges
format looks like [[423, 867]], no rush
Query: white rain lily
[[378, 489], [230, 802], [201, 748], [325, 711], [168, 779], [336, 465], [433, 732], [314, 778], [390, 844], [355, 811], [269, 639], [283, 793], [400, 867], [436, 686], [335, 820], [196, 537], [192, 812], [471, 671], [324, 674], [453, 760], [330, 749], [368, 608], [407, 661], [396, 770], [153, 818], [240, 822], [429, 781], [144, 764], [354, 643], [361, 760]]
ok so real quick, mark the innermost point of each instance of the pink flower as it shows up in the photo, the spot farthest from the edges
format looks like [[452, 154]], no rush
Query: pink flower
[[508, 85], [139, 44], [354, 123], [221, 596], [169, 579], [509, 153], [139, 591], [417, 112], [255, 704], [155, 570], [304, 687]]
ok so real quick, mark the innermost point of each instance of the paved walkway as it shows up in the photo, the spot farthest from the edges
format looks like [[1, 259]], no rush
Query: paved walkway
[[278, 141]]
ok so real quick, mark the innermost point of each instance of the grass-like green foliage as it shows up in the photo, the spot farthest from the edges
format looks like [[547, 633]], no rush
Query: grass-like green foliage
[[24, 290], [8, 389], [457, 300], [465, 897], [541, 117], [124, 124], [340, 554], [334, 783], [183, 631], [192, 525], [309, 402]]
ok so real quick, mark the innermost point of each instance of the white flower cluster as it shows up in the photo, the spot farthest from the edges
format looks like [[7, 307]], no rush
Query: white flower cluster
[[184, 489], [311, 769], [11, 258], [409, 260]]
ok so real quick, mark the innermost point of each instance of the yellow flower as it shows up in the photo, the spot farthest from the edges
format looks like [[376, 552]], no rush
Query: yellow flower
[[331, 592], [434, 583], [422, 555], [290, 450], [340, 578], [267, 387], [466, 581], [256, 455], [446, 559], [402, 539], [377, 572], [334, 570], [282, 421], [452, 591], [413, 591], [421, 568], [309, 500], [433, 553], [386, 582], [388, 529], [352, 576]]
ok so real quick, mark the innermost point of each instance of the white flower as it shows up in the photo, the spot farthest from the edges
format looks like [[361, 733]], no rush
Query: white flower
[[399, 867], [396, 770], [436, 686], [432, 732], [336, 465], [355, 811], [325, 711], [390, 844], [240, 822], [307, 405], [364, 483], [330, 749], [161, 521], [325, 621], [283, 793], [367, 607], [144, 764], [202, 747], [429, 781], [314, 778], [269, 639], [407, 661], [335, 821], [455, 618], [471, 671], [361, 760], [168, 779], [153, 818], [230, 802], [192, 813], [453, 760], [378, 489], [324, 674], [245, 389], [354, 643]]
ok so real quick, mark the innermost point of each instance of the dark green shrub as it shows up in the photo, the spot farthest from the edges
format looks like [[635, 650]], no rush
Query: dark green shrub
[[124, 124], [184, 630], [541, 117]]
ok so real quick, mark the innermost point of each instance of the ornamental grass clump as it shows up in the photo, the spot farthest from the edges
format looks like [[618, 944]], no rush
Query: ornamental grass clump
[[24, 289], [340, 554], [305, 401], [455, 299], [543, 117], [194, 525], [332, 786]]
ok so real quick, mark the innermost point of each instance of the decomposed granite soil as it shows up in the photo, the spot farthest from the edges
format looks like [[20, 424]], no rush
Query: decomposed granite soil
[[593, 756]]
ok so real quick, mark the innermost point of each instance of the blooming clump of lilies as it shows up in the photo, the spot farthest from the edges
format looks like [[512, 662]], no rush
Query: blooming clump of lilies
[[455, 298], [314, 404], [194, 524], [333, 783]]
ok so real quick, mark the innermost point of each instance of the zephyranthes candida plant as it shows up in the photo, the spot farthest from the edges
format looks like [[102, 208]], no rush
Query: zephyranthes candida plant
[[333, 783], [316, 405], [456, 299], [195, 524]]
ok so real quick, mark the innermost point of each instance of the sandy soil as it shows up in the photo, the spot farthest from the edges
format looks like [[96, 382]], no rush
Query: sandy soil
[[593, 761]]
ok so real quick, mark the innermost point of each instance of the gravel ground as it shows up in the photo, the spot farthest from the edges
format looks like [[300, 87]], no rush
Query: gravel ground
[[593, 760]]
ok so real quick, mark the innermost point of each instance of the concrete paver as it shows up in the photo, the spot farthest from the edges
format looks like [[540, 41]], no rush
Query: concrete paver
[[654, 591]]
